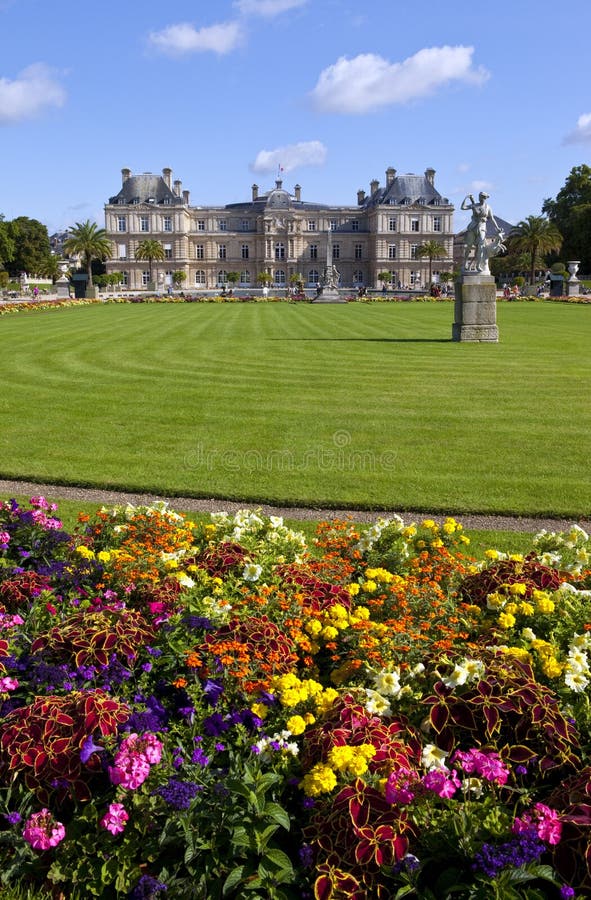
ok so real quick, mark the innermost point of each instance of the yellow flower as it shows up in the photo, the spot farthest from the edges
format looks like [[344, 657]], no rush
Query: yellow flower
[[546, 606], [353, 589], [85, 552], [409, 531], [103, 556], [320, 780], [369, 587], [506, 620], [362, 612], [518, 589], [526, 609], [511, 608], [329, 633], [313, 627], [491, 554], [429, 523], [551, 667], [259, 709], [325, 700], [296, 724]]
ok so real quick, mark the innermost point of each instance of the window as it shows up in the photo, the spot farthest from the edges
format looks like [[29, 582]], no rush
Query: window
[[200, 224], [391, 251], [336, 251], [279, 276], [199, 251], [167, 251], [358, 277], [121, 223], [121, 251], [414, 224], [279, 250], [313, 277], [415, 278], [358, 251], [167, 223], [413, 251], [221, 251], [222, 276], [436, 223], [222, 225], [245, 225], [355, 225], [200, 276], [313, 251], [245, 251], [124, 278], [145, 278], [333, 224], [392, 223], [311, 224], [144, 223], [245, 277]]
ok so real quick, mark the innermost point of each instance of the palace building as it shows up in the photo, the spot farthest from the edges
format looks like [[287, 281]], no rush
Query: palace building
[[279, 233]]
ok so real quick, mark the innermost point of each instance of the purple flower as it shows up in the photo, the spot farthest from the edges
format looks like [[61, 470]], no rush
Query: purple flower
[[88, 748], [13, 818], [147, 888], [213, 691], [215, 725], [566, 892], [199, 757], [179, 794]]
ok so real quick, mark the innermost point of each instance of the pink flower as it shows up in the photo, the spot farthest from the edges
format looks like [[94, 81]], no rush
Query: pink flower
[[544, 820], [442, 782], [399, 786], [134, 758], [4, 539], [115, 818], [42, 831], [486, 764], [8, 684]]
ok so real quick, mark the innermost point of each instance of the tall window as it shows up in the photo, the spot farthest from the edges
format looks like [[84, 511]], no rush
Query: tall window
[[279, 250], [121, 251], [145, 277], [121, 223], [414, 224], [358, 277], [125, 278], [355, 225], [222, 225], [167, 223], [245, 277], [221, 251], [392, 223], [336, 251], [200, 224], [199, 251], [313, 276], [311, 224], [358, 251], [167, 251], [313, 251], [222, 276], [245, 225], [144, 223], [245, 251], [333, 224], [413, 251], [391, 251], [279, 276], [200, 276], [436, 223], [415, 278]]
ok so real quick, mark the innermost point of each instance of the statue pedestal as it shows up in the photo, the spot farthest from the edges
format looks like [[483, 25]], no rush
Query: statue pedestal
[[475, 309], [329, 295], [573, 288]]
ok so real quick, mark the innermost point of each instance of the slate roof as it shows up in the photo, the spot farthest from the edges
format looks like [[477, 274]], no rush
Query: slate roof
[[407, 189], [146, 188]]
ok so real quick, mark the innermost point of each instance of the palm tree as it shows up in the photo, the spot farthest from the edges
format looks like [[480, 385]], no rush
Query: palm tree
[[150, 250], [432, 250], [90, 242], [535, 236]]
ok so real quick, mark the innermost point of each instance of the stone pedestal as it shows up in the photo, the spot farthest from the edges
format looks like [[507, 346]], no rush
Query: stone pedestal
[[329, 295], [62, 287], [475, 309]]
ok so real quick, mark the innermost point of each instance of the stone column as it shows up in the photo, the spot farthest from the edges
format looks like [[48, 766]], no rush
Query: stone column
[[475, 308]]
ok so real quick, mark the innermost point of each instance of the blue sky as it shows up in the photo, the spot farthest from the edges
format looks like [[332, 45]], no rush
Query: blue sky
[[493, 96]]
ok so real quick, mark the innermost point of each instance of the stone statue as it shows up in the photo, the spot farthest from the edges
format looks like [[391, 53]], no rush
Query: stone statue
[[477, 250]]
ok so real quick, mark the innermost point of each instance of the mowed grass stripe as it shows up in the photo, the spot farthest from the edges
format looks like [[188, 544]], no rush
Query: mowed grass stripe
[[368, 405]]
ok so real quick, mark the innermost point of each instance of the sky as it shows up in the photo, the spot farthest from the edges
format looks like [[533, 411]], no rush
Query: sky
[[323, 93]]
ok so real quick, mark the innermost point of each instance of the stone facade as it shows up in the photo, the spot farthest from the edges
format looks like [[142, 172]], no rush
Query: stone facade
[[280, 234]]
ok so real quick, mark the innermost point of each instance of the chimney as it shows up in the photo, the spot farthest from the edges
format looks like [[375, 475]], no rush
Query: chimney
[[360, 198], [298, 192], [125, 174], [390, 176], [167, 175], [278, 184], [186, 198], [255, 191], [430, 175], [177, 187], [374, 185]]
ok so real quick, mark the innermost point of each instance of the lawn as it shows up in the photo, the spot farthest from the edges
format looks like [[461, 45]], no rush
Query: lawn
[[358, 405]]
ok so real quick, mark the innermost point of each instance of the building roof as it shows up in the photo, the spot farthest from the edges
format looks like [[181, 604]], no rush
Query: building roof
[[146, 188], [406, 190]]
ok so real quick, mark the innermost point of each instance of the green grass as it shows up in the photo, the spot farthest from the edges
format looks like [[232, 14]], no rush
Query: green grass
[[358, 405]]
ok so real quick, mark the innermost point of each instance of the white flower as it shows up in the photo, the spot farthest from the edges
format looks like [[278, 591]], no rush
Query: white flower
[[576, 681], [388, 683], [252, 572], [433, 758], [465, 672], [377, 705], [581, 641], [577, 661], [472, 786], [185, 580], [527, 634], [219, 518], [276, 521]]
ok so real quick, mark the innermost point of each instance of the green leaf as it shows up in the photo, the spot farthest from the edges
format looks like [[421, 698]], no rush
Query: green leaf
[[278, 814], [279, 859], [233, 880]]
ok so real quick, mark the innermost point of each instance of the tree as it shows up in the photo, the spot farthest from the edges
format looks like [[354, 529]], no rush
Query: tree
[[151, 250], [432, 250], [6, 243], [233, 278], [31, 245], [178, 277], [50, 268], [264, 278], [385, 277], [571, 213], [535, 236], [90, 242]]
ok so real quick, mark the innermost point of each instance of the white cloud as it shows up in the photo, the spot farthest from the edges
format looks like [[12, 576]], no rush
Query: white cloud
[[185, 38], [582, 133], [34, 90], [293, 156], [368, 82], [267, 8]]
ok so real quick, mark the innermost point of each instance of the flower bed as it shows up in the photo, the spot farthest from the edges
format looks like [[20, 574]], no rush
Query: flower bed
[[220, 710]]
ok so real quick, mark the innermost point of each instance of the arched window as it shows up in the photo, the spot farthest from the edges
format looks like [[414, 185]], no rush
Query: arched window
[[279, 276], [245, 277], [313, 276], [200, 276], [358, 277], [222, 276]]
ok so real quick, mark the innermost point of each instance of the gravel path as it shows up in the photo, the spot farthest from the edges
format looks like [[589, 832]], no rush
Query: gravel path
[[192, 504]]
